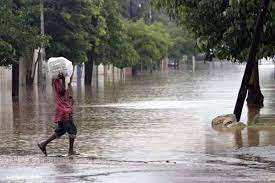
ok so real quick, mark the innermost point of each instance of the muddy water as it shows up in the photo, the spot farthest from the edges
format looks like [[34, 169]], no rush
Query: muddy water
[[161, 116]]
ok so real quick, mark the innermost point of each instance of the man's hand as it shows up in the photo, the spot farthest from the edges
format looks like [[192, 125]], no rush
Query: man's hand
[[63, 89], [61, 76]]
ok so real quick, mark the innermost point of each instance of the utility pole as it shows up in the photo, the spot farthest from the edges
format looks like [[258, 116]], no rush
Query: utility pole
[[135, 9], [251, 58], [131, 9], [150, 15], [41, 63]]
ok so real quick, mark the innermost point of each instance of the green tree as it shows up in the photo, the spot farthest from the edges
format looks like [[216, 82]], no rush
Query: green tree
[[141, 9], [226, 27], [150, 41], [19, 36], [183, 44], [110, 42], [65, 24], [76, 28], [116, 45]]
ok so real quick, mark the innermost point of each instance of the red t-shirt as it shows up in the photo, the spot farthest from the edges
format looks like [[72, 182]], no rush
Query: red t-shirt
[[63, 104]]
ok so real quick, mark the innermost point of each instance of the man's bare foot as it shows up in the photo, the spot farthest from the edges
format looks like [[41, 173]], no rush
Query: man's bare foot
[[42, 148]]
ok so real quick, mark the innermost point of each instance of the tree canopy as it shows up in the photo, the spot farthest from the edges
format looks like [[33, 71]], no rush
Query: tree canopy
[[183, 44], [150, 41], [67, 22], [115, 47], [20, 33], [226, 26], [80, 30]]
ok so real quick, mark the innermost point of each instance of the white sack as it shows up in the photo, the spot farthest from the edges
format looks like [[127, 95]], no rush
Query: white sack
[[58, 65]]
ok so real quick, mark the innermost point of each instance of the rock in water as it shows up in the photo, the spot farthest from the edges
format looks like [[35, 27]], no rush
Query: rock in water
[[228, 121], [236, 125], [221, 119]]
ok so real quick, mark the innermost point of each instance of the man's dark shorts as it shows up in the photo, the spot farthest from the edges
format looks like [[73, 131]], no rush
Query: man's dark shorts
[[66, 126]]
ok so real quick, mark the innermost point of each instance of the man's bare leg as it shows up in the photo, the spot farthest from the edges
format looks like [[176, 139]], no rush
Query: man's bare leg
[[71, 147], [44, 144]]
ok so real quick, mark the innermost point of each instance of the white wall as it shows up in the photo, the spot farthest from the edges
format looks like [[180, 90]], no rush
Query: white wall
[[5, 75], [5, 80], [100, 69], [5, 97]]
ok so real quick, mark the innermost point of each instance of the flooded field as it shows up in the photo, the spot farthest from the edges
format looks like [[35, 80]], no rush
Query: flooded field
[[148, 128]]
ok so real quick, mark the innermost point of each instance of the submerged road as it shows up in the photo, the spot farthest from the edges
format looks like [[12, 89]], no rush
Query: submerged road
[[151, 128]]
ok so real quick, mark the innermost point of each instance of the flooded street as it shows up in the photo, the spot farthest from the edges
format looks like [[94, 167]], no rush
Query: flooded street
[[150, 128]]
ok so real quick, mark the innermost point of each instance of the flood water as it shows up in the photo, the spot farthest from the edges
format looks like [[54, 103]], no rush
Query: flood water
[[163, 116]]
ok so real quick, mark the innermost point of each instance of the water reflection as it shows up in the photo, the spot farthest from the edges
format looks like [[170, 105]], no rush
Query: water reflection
[[252, 133], [65, 170], [164, 115]]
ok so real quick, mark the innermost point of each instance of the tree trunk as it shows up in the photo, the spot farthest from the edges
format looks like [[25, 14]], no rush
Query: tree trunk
[[252, 58], [89, 70], [255, 97], [31, 67], [15, 80], [252, 113], [151, 66], [79, 74], [134, 70], [29, 74], [131, 10], [121, 74]]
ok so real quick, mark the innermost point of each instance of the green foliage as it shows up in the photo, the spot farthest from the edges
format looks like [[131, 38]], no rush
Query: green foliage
[[19, 33], [66, 22], [124, 8], [115, 47], [150, 41], [227, 27], [81, 29], [141, 9], [7, 54], [183, 44]]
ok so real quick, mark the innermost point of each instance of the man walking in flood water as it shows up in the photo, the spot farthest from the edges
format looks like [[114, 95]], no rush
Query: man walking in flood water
[[63, 115]]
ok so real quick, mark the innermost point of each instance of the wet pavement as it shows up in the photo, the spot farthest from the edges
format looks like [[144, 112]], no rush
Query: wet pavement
[[148, 128]]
